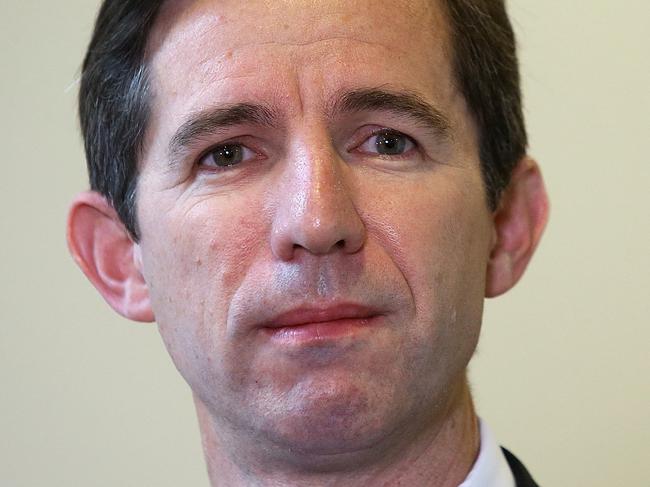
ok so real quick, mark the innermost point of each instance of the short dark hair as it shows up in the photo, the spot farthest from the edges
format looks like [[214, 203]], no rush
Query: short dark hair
[[487, 71], [114, 94]]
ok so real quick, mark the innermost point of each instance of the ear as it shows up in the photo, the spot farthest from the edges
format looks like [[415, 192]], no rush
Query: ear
[[102, 247], [518, 225]]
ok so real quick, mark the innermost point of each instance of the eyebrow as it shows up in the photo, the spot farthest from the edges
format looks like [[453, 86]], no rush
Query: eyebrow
[[405, 103], [209, 121]]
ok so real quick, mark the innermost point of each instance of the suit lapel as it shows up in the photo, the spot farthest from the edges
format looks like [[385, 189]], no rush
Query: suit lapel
[[522, 477]]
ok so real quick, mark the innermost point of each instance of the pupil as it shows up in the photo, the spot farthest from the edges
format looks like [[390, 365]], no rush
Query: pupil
[[390, 143], [228, 155]]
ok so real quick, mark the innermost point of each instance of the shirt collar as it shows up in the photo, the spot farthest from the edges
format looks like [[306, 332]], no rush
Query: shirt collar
[[490, 468]]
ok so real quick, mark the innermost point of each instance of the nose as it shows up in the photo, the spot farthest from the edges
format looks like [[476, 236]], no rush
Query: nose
[[315, 210]]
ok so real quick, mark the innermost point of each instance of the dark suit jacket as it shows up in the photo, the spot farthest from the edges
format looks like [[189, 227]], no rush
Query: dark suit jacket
[[522, 477]]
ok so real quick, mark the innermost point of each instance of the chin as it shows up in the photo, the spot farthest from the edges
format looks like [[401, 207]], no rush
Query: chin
[[326, 425]]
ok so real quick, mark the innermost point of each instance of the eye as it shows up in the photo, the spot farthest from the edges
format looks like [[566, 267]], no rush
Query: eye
[[226, 155], [387, 143]]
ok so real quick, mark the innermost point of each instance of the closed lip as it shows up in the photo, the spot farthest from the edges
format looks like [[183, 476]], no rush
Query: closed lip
[[313, 315]]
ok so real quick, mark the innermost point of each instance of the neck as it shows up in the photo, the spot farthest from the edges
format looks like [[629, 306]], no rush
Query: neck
[[440, 455]]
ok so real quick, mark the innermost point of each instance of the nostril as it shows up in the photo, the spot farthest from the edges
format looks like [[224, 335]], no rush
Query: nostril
[[340, 244]]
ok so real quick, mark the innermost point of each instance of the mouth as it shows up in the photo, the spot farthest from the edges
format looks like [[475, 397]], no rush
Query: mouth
[[317, 325]]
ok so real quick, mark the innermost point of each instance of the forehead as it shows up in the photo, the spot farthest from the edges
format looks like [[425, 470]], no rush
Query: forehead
[[230, 45], [276, 19]]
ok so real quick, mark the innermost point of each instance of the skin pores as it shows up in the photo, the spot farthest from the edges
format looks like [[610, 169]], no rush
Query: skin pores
[[313, 217]]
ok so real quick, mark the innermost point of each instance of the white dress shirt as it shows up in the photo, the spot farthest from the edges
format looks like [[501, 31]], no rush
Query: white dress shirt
[[491, 468]]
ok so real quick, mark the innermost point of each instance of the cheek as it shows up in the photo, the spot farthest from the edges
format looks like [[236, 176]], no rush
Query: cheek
[[208, 243], [438, 237], [195, 257], [442, 249]]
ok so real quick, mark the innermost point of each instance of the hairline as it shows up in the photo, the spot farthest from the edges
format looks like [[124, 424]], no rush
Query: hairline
[[493, 181]]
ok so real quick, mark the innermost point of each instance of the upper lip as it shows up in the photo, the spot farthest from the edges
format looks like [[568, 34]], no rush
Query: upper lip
[[317, 314]]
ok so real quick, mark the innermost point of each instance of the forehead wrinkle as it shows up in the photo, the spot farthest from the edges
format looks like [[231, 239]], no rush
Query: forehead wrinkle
[[318, 41], [185, 21], [181, 20]]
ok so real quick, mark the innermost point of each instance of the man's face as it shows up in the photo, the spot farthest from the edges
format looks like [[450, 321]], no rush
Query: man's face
[[315, 241]]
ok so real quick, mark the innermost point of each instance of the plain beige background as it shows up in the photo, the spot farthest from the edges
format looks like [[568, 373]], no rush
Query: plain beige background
[[88, 399]]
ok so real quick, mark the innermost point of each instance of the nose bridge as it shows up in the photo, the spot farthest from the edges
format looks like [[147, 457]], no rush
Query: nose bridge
[[316, 211], [318, 182]]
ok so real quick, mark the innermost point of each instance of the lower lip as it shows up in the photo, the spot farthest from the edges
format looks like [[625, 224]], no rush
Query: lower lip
[[321, 332]]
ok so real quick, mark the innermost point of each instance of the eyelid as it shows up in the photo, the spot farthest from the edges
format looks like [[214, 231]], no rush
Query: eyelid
[[372, 131], [212, 153], [241, 141]]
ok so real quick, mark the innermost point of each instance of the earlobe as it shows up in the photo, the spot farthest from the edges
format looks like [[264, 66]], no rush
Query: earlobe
[[519, 223], [103, 249]]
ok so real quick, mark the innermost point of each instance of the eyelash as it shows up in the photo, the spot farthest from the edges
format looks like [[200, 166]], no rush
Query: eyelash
[[222, 146], [365, 138], [388, 132]]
